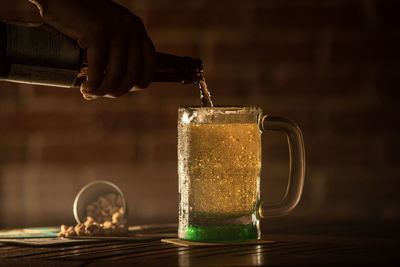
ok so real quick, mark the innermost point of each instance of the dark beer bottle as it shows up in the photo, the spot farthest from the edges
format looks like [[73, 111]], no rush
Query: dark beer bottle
[[44, 56]]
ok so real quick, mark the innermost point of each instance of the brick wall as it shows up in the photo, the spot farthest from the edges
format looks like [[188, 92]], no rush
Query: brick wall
[[332, 66]]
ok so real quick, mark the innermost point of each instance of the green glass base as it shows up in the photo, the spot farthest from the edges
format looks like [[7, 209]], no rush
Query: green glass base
[[225, 233]]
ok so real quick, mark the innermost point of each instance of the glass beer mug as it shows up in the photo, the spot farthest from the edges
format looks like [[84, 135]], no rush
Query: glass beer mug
[[219, 165]]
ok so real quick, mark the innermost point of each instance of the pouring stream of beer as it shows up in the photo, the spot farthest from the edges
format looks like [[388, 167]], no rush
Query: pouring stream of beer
[[205, 95]]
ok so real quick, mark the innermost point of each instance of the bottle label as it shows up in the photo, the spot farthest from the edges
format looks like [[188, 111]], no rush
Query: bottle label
[[42, 75], [41, 46]]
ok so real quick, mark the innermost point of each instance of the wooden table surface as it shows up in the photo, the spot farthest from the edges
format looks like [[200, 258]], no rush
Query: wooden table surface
[[297, 243]]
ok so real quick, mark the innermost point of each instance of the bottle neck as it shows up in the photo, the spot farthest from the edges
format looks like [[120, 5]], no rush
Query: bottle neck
[[168, 68], [171, 68]]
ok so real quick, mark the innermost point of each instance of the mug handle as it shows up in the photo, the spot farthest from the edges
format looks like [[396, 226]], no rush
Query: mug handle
[[297, 166]]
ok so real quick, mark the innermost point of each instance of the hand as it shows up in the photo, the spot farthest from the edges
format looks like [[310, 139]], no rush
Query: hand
[[119, 52]]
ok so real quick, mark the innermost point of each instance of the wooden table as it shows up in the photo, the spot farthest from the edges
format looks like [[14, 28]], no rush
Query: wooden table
[[297, 243]]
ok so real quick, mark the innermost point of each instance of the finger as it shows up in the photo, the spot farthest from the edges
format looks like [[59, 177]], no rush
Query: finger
[[97, 61], [109, 96], [116, 68], [134, 69], [135, 89], [85, 94], [89, 97], [84, 88], [149, 58]]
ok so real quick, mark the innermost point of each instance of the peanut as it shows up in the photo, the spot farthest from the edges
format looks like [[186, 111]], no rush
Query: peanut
[[104, 217]]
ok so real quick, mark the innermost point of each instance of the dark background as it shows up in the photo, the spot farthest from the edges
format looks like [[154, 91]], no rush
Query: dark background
[[332, 66]]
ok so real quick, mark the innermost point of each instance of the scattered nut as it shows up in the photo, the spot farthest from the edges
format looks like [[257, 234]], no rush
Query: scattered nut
[[104, 217], [80, 229], [70, 232]]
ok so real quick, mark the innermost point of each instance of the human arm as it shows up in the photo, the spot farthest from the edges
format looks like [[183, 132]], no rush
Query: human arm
[[120, 54]]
